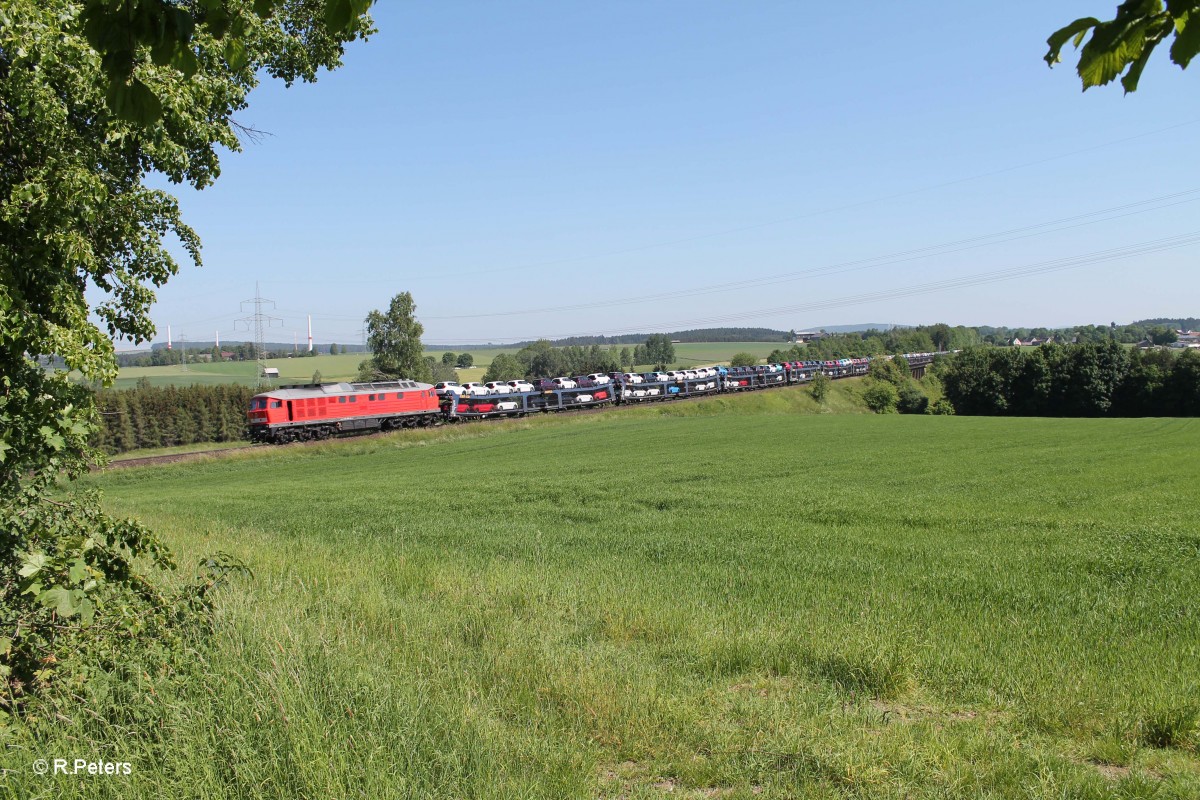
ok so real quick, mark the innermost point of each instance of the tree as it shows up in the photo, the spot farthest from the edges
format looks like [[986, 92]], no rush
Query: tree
[[395, 341], [973, 383], [1127, 41], [449, 359], [660, 351], [940, 335], [465, 361], [1182, 386], [1161, 335], [94, 97], [439, 372], [743, 360], [504, 367], [333, 349], [316, 376]]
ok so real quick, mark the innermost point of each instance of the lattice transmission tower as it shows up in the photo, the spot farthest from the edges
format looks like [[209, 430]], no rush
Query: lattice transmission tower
[[258, 322]]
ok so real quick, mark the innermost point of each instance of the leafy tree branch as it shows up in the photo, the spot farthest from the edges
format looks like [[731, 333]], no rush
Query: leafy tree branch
[[1125, 43]]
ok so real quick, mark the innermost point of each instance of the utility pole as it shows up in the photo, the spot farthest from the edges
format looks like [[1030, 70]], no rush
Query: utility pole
[[182, 353], [259, 321]]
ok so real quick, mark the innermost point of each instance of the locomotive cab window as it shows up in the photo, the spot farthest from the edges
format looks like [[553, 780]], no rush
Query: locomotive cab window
[[276, 404]]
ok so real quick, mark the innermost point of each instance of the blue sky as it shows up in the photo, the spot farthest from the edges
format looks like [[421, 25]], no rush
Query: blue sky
[[670, 165]]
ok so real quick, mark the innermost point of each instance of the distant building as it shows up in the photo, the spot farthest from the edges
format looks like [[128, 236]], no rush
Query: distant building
[[804, 337], [270, 372]]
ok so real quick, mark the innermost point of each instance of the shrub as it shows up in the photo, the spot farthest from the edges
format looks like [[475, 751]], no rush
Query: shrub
[[912, 400], [820, 387], [942, 407], [881, 397]]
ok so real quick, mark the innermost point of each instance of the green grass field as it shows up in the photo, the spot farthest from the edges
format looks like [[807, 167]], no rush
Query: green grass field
[[344, 366], [683, 601]]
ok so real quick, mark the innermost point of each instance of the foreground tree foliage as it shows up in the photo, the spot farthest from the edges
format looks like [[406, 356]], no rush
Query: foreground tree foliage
[[1125, 43], [95, 97]]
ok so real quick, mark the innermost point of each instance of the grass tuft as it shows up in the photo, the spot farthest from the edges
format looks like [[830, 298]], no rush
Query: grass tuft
[[1174, 727]]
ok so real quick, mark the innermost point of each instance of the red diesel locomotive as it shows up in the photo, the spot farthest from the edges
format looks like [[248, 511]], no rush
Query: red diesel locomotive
[[319, 411]]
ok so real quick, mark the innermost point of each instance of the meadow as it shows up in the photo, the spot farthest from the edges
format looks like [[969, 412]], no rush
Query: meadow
[[344, 366], [680, 601]]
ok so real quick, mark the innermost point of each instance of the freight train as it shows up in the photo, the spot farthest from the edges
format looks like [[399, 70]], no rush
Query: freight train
[[321, 411]]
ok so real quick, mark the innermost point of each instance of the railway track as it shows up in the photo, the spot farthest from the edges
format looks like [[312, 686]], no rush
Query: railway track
[[175, 458], [171, 458]]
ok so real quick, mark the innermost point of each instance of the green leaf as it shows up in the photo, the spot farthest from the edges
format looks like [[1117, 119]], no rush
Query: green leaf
[[1112, 48], [1187, 40], [218, 21], [78, 571], [62, 600], [186, 62], [1060, 37], [1130, 81], [34, 563], [264, 8], [52, 437], [338, 14], [87, 611], [134, 102], [235, 54]]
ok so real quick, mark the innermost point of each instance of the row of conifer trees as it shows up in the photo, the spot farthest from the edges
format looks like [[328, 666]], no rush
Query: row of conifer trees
[[168, 416]]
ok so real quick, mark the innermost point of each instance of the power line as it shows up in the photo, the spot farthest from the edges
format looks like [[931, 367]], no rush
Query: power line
[[794, 218], [1011, 273], [946, 248]]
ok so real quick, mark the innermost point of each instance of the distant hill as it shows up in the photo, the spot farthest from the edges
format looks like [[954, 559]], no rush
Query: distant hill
[[698, 335], [861, 326], [1182, 324]]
